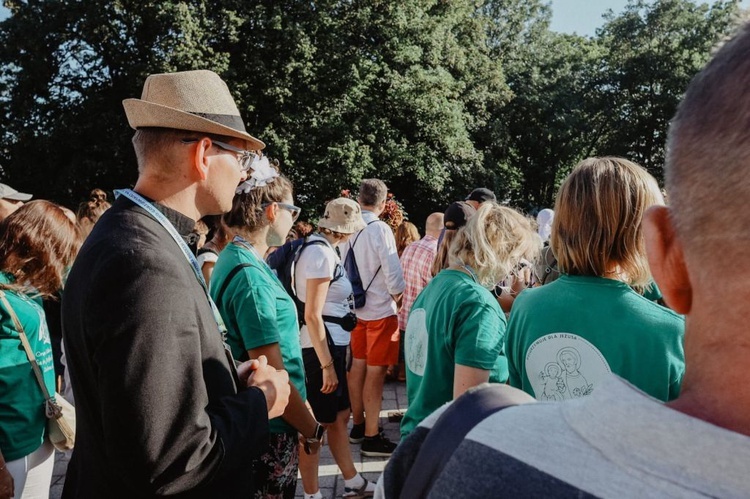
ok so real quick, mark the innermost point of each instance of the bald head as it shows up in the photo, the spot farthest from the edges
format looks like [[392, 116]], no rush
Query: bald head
[[708, 150], [434, 224]]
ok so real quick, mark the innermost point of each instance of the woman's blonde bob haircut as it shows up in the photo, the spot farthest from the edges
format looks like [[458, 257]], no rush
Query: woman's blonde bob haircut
[[598, 215], [493, 242]]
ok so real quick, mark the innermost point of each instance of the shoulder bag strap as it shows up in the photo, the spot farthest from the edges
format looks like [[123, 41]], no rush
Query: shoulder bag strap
[[379, 266], [229, 278], [26, 346], [450, 429]]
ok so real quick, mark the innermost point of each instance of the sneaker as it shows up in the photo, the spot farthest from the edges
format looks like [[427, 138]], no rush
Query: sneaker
[[366, 490], [357, 434], [377, 446]]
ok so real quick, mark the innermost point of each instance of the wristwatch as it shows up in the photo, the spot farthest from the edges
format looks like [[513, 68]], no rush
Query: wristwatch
[[319, 430]]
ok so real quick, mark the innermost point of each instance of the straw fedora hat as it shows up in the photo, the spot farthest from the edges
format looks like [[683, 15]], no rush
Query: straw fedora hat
[[198, 101]]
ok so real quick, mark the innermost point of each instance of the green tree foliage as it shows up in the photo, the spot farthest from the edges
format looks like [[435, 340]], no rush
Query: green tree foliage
[[651, 52], [435, 97]]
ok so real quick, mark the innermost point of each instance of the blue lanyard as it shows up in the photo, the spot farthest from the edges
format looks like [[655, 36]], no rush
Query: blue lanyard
[[471, 272], [159, 217], [239, 240]]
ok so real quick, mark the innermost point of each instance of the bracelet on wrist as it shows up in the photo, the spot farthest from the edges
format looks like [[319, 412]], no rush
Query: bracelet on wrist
[[322, 368]]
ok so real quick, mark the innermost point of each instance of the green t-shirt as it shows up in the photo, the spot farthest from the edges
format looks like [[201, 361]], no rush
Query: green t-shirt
[[566, 337], [453, 321], [257, 312], [22, 419]]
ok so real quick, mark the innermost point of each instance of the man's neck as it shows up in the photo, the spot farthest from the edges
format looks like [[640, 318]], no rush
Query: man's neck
[[715, 387], [372, 209], [180, 198]]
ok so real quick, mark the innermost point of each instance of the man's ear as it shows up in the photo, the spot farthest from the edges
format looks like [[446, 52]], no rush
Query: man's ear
[[667, 260], [200, 159]]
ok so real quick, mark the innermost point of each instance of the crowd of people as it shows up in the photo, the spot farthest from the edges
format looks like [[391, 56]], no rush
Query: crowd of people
[[212, 342]]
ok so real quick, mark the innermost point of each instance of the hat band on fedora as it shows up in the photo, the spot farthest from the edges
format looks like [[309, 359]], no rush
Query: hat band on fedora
[[229, 120]]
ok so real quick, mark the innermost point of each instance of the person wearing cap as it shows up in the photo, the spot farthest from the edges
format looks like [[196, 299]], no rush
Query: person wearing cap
[[10, 200], [322, 285], [454, 218], [480, 195], [160, 408]]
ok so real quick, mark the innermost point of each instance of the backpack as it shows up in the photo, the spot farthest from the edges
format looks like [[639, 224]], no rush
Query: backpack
[[359, 292], [285, 262]]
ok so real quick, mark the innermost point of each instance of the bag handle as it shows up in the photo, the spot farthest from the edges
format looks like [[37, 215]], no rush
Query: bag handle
[[27, 347]]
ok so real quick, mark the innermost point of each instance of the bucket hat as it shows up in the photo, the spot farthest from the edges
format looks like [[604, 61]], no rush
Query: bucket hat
[[342, 215], [197, 101], [8, 192]]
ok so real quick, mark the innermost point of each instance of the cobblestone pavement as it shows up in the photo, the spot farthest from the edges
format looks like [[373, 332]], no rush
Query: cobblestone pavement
[[331, 482]]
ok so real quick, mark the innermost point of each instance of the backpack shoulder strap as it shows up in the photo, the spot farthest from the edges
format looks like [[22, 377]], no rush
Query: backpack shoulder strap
[[298, 254], [351, 246], [450, 429], [229, 278]]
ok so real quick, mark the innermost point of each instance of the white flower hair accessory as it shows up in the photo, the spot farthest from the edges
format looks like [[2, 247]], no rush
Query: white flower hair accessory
[[263, 174]]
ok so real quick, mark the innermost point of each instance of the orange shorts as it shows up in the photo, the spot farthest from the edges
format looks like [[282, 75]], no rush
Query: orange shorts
[[376, 341]]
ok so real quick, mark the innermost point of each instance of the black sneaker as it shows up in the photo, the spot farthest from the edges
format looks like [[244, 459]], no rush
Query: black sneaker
[[377, 446], [357, 434]]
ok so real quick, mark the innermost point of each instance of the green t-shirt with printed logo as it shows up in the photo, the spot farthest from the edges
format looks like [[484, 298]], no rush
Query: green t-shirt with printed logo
[[566, 337], [453, 321], [22, 418], [257, 312]]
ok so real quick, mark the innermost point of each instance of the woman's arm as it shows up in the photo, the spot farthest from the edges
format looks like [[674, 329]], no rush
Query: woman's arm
[[296, 413], [465, 377], [316, 292], [207, 269]]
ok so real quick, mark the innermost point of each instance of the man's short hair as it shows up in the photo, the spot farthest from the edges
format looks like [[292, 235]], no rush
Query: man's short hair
[[151, 142], [372, 192], [708, 148]]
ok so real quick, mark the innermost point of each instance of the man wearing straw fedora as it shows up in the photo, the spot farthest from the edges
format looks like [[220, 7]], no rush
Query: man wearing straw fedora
[[160, 408]]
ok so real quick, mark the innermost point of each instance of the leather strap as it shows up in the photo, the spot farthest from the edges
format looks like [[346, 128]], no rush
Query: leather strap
[[26, 345]]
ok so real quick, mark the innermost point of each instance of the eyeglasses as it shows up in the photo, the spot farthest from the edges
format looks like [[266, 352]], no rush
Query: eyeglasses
[[294, 210], [244, 157]]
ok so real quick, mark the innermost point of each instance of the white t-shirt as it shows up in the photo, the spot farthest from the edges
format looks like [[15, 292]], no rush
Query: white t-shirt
[[315, 262]]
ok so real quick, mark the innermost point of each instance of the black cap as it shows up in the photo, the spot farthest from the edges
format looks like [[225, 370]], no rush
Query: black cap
[[481, 195], [457, 214]]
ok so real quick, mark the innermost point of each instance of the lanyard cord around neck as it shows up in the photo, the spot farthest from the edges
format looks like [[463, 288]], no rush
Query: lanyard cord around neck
[[159, 217], [471, 272], [241, 241]]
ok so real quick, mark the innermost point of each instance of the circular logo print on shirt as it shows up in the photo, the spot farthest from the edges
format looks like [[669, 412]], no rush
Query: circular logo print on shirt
[[563, 366], [415, 341]]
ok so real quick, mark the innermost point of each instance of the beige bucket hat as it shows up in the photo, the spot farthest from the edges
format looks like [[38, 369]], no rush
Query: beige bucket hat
[[198, 101], [342, 215]]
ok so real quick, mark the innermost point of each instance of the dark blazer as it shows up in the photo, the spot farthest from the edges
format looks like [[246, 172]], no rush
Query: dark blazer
[[157, 405]]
